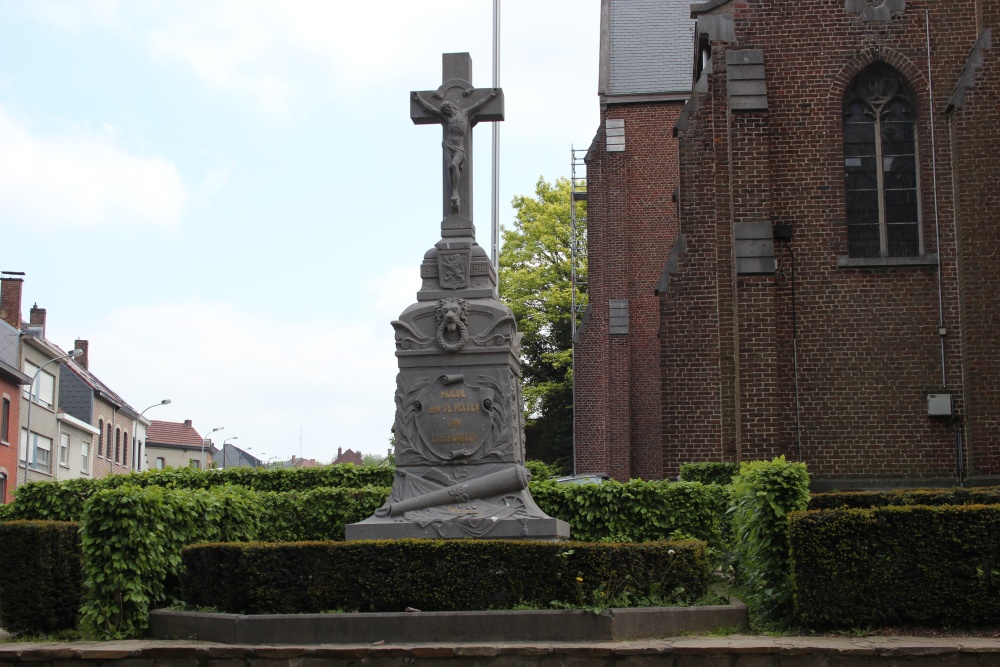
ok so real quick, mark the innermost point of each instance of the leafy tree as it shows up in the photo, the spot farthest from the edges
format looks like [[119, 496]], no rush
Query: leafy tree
[[535, 282]]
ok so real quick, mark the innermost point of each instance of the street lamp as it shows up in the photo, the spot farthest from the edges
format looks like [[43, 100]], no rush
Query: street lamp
[[235, 437], [135, 446], [31, 399], [203, 441]]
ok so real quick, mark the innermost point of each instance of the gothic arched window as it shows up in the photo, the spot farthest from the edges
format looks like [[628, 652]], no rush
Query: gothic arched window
[[880, 165]]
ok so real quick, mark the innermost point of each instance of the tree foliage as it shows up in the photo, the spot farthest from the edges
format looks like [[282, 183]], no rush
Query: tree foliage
[[535, 282]]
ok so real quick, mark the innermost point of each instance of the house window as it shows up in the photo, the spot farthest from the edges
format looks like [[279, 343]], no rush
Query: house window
[[85, 458], [194, 463], [125, 448], [64, 450], [3, 488], [880, 165], [44, 387], [118, 444], [5, 420], [161, 463], [39, 450], [100, 437], [107, 454]]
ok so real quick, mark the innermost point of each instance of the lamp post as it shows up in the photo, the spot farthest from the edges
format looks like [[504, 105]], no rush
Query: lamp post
[[135, 441], [235, 437], [31, 399], [204, 440]]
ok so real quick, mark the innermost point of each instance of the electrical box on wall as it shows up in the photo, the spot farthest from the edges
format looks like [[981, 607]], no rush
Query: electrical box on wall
[[939, 405]]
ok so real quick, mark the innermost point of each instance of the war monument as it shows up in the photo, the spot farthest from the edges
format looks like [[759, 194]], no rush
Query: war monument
[[459, 413]]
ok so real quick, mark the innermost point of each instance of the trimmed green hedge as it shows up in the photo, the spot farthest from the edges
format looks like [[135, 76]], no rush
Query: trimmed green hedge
[[896, 565], [437, 575], [636, 511], [42, 576], [63, 501], [710, 472], [763, 495], [987, 495]]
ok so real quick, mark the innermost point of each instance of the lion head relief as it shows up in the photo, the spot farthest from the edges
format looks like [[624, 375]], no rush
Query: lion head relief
[[452, 316]]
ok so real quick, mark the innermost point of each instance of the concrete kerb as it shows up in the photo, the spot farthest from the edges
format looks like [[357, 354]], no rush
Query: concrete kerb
[[423, 627]]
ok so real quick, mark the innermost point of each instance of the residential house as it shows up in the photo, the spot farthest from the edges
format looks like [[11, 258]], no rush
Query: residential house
[[11, 381], [176, 445], [234, 457], [350, 456], [86, 397]]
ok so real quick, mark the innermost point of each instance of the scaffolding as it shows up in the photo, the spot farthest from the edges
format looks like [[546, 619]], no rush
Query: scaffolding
[[578, 251]]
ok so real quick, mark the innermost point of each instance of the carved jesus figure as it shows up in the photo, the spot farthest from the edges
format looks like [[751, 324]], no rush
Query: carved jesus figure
[[457, 120]]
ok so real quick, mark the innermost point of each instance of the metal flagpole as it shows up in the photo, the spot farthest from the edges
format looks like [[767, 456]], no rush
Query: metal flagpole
[[495, 256]]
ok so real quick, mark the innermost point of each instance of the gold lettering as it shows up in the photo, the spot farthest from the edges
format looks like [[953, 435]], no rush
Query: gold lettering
[[433, 409], [453, 393], [453, 438], [453, 423]]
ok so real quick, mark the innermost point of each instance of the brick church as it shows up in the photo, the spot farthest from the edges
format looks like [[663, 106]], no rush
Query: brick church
[[794, 241]]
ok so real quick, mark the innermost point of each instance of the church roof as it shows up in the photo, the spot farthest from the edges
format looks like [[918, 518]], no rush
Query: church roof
[[650, 47]]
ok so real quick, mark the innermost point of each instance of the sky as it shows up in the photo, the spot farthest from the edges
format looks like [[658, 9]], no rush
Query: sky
[[228, 200]]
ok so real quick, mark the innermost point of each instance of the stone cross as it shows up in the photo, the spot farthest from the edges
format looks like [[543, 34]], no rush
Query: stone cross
[[457, 107]]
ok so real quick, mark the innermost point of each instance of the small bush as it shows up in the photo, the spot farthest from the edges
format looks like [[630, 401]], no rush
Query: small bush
[[763, 495], [989, 495], [710, 473], [896, 565], [42, 576], [437, 575], [541, 471]]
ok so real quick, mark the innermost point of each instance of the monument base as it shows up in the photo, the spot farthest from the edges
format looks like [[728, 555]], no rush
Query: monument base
[[502, 529]]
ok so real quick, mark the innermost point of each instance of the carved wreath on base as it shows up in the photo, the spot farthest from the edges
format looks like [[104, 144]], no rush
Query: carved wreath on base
[[452, 316]]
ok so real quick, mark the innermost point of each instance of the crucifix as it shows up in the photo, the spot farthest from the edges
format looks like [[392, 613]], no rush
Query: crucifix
[[457, 106]]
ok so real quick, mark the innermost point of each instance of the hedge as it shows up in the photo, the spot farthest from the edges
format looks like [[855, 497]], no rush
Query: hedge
[[763, 495], [63, 501], [42, 576], [710, 472], [439, 575], [635, 511], [896, 565], [987, 495]]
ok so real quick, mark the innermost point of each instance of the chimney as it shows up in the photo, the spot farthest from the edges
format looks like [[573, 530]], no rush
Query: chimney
[[83, 359], [10, 298], [340, 452], [187, 422], [37, 318]]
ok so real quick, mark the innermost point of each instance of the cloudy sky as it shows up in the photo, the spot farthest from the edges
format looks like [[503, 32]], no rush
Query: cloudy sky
[[227, 198]]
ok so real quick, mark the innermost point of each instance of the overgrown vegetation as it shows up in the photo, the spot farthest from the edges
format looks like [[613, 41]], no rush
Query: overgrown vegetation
[[763, 495]]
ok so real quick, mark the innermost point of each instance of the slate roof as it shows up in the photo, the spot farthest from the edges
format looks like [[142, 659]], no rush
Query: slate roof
[[95, 384], [651, 44], [172, 433]]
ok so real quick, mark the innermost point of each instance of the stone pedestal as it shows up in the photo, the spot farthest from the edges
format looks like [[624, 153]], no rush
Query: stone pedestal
[[459, 412]]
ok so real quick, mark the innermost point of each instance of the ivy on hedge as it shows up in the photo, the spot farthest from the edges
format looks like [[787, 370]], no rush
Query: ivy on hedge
[[635, 511], [896, 565], [42, 584], [763, 495], [712, 472], [900, 497], [436, 575]]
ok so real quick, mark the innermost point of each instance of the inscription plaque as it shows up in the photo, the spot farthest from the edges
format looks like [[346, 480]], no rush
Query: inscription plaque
[[455, 417]]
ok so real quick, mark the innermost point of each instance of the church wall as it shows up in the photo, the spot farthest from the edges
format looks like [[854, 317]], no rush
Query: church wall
[[868, 343], [632, 224], [974, 134]]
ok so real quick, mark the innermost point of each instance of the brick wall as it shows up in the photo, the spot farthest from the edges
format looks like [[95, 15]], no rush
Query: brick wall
[[632, 224]]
